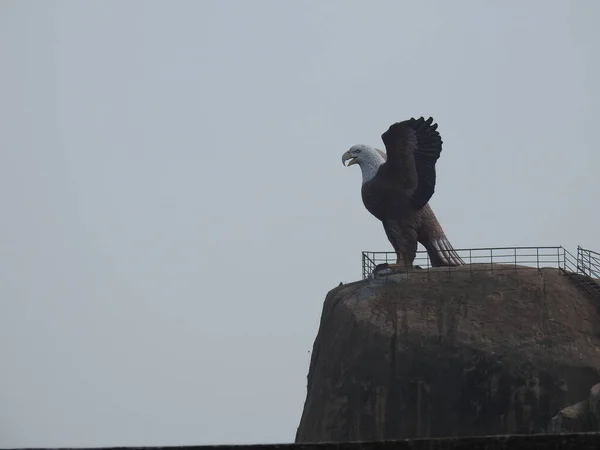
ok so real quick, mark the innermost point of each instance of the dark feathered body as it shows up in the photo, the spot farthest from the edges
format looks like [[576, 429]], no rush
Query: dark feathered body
[[386, 200]]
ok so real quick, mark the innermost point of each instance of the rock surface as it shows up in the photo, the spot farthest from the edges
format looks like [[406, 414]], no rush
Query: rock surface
[[450, 353]]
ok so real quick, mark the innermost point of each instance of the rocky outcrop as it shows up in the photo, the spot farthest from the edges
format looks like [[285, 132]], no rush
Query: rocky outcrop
[[581, 417], [450, 353]]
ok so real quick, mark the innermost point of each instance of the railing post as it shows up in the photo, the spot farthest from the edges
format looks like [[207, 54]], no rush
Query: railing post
[[515, 258], [537, 257], [491, 260], [558, 257], [470, 262]]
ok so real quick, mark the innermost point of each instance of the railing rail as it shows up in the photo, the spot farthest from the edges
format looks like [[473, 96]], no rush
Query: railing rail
[[586, 262]]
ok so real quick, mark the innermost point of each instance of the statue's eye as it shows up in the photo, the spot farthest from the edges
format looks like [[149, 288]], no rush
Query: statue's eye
[[358, 150]]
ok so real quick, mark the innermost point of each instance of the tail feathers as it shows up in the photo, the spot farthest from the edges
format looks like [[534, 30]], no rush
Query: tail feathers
[[441, 253]]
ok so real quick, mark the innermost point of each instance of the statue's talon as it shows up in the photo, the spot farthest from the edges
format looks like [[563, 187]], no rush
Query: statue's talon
[[388, 269], [382, 269]]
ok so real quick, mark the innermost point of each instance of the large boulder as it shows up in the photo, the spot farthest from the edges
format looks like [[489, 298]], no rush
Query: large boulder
[[580, 417], [450, 352]]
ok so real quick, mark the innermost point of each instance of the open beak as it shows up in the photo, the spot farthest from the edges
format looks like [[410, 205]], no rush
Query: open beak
[[347, 156]]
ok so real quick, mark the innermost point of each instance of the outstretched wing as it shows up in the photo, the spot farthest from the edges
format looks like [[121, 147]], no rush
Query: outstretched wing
[[413, 147]]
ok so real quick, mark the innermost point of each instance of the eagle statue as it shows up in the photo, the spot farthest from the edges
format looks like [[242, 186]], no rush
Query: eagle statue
[[396, 188]]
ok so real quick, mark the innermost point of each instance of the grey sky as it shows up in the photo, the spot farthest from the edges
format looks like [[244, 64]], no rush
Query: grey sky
[[175, 207]]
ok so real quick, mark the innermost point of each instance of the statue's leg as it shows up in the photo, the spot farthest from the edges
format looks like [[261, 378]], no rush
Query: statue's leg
[[403, 237]]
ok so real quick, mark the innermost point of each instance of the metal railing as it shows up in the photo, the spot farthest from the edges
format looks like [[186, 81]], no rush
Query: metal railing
[[588, 262], [494, 259]]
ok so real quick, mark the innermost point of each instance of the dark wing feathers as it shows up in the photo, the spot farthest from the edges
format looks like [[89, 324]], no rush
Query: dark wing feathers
[[413, 147]]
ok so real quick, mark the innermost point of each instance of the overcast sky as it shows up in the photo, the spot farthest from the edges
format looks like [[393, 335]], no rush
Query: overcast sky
[[175, 209]]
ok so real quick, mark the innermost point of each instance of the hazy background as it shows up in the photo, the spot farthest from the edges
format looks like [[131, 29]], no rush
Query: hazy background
[[174, 206]]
